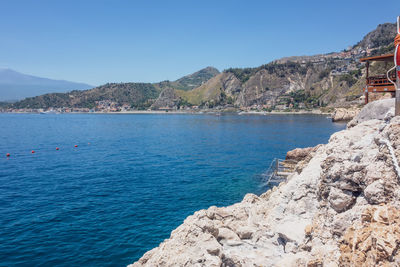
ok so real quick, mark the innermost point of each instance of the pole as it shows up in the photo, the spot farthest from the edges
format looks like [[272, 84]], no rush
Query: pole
[[397, 64], [366, 83]]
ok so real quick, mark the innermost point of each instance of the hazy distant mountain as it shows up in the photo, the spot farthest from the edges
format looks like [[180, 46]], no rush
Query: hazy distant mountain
[[15, 85]]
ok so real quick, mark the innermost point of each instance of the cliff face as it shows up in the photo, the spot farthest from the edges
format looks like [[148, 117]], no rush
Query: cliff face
[[167, 99], [341, 207], [271, 85]]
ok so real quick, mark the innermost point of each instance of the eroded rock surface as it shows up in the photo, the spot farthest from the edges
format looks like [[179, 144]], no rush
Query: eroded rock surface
[[340, 209], [373, 110], [167, 99], [344, 114], [374, 240]]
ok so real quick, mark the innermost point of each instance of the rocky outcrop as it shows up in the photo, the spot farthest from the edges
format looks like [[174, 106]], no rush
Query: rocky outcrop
[[374, 239], [379, 96], [374, 110], [299, 154], [383, 34], [262, 88], [167, 99], [344, 114], [340, 209]]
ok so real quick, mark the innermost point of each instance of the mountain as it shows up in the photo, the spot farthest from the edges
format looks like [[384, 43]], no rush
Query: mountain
[[381, 36], [196, 79], [326, 80], [138, 95], [334, 79], [134, 95], [15, 85]]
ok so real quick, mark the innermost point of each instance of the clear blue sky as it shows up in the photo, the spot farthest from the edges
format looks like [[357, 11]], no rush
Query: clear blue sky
[[119, 41]]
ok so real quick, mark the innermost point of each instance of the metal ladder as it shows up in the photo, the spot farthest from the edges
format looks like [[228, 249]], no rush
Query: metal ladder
[[279, 170]]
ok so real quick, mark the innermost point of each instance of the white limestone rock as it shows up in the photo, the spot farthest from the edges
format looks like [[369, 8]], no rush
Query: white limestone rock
[[306, 220], [373, 110], [341, 200], [344, 114], [375, 192]]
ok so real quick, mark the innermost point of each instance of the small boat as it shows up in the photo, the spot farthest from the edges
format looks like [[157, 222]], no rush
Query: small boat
[[49, 112]]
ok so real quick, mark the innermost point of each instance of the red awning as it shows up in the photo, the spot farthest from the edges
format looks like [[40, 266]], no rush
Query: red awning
[[388, 57]]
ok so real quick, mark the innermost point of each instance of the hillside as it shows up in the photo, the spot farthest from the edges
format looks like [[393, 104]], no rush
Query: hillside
[[15, 85], [138, 95], [334, 79], [301, 82], [381, 36], [115, 95], [196, 79]]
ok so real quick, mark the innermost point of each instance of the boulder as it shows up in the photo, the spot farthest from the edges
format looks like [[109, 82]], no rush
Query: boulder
[[245, 232], [299, 154], [340, 200], [375, 192], [227, 234], [373, 110], [344, 114]]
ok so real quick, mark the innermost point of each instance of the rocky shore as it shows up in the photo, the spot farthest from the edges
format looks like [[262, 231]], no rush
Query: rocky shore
[[340, 208], [345, 114]]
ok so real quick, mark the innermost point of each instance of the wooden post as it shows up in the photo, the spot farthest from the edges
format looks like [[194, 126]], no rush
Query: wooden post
[[397, 64]]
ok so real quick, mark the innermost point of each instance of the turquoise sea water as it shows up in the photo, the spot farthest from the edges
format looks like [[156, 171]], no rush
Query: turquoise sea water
[[131, 180]]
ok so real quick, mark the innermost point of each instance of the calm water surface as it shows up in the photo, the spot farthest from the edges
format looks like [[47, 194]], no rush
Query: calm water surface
[[131, 180]]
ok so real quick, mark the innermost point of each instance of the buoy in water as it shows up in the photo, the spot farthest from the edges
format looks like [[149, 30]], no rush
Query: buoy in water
[[33, 152], [76, 145], [57, 148], [8, 155]]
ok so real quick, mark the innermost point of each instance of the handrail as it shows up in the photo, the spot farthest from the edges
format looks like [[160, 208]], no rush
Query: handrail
[[387, 75], [278, 170]]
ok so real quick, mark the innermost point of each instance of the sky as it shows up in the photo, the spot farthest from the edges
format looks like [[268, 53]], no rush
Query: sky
[[99, 41]]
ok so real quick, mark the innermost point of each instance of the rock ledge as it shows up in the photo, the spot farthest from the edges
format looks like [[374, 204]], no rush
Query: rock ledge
[[341, 208]]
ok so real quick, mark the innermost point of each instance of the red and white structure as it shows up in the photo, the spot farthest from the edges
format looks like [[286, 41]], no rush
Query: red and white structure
[[397, 66]]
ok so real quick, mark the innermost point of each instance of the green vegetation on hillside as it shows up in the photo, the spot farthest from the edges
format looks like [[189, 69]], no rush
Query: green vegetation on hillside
[[280, 70], [383, 50], [296, 98], [210, 90], [194, 80], [137, 95]]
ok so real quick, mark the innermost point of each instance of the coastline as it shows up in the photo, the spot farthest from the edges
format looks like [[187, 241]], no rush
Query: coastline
[[218, 112], [342, 193]]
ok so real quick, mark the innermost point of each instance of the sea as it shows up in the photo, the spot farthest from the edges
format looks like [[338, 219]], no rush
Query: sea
[[118, 184]]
